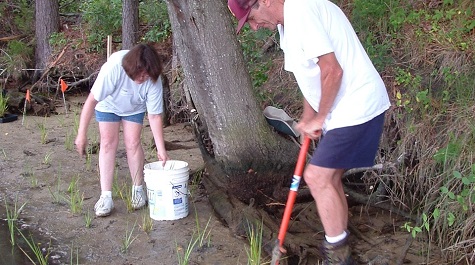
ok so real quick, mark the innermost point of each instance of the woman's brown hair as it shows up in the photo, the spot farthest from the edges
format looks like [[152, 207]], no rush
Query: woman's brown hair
[[142, 57]]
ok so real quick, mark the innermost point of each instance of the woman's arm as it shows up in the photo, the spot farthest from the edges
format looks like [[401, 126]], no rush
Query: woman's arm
[[156, 124], [86, 115]]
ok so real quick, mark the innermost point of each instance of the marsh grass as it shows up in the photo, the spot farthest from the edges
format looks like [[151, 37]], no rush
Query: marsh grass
[[74, 256], [147, 221], [56, 193], [128, 238], [117, 187], [88, 219], [196, 181], [43, 131], [28, 172], [47, 158], [254, 252], [39, 257], [184, 259], [200, 238], [88, 159], [12, 218], [203, 236], [76, 198], [76, 117], [69, 141]]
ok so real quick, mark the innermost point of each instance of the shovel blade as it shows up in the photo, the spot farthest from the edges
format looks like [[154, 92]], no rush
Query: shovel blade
[[276, 253]]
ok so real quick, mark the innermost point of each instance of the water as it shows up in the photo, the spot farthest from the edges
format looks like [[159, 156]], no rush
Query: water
[[9, 254]]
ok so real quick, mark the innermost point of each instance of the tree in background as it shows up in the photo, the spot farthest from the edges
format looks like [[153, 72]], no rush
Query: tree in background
[[46, 23], [221, 89], [130, 23]]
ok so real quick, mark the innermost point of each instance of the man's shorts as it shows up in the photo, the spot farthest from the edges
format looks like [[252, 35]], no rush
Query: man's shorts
[[349, 147], [111, 117]]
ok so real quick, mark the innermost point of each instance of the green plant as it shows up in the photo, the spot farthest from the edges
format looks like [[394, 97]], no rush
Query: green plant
[[147, 222], [184, 259], [46, 159], [43, 131], [87, 219], [36, 249], [88, 158], [3, 104], [196, 180], [199, 238], [12, 218], [76, 199], [128, 239], [56, 194], [69, 141], [28, 173], [72, 255], [254, 253], [465, 195], [57, 40]]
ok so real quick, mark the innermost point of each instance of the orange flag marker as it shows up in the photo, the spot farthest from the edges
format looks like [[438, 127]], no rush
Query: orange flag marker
[[28, 97], [64, 86]]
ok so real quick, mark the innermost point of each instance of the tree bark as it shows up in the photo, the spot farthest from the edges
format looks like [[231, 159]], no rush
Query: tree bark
[[130, 23], [46, 23], [221, 89]]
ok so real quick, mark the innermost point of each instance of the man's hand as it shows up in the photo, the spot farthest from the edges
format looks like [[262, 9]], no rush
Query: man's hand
[[312, 128]]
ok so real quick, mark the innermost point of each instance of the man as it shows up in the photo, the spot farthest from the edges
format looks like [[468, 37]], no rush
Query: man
[[128, 85], [344, 100]]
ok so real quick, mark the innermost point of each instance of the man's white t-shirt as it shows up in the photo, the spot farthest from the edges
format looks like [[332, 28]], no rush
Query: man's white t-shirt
[[317, 27], [117, 93]]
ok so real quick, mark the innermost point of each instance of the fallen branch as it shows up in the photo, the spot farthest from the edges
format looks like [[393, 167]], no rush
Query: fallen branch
[[49, 68], [9, 38]]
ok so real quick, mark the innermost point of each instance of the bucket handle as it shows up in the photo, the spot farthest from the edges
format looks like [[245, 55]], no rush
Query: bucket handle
[[187, 194]]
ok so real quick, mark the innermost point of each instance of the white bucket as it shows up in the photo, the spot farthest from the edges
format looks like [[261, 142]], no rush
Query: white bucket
[[167, 189]]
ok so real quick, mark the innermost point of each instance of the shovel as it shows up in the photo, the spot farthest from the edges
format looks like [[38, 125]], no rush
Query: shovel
[[294, 186]]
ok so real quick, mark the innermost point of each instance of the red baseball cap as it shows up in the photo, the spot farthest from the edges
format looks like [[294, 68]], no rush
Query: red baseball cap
[[241, 9]]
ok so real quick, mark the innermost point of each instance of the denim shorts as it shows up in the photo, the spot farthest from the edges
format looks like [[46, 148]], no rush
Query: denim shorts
[[349, 147], [111, 117]]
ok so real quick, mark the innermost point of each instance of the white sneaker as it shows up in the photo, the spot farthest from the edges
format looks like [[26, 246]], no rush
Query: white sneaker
[[104, 206], [139, 198]]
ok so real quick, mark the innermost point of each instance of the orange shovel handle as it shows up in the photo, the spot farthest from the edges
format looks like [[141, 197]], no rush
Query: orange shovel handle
[[293, 189]]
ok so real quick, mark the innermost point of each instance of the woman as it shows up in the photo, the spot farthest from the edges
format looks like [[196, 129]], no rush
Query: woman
[[128, 84]]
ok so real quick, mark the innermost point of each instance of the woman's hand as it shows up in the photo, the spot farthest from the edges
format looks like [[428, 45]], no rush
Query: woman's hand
[[162, 156], [81, 144]]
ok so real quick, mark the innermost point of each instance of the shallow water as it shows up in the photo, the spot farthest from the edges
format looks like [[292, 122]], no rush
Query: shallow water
[[9, 254]]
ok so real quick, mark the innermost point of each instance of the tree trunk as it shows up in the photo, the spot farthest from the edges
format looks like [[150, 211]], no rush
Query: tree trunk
[[221, 89], [130, 23], [46, 23]]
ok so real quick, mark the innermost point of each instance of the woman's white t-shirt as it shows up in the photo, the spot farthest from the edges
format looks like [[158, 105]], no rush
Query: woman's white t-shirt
[[117, 93], [317, 27]]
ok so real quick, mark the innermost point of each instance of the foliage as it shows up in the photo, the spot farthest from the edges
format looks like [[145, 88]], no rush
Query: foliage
[[102, 18], [23, 16], [424, 49], [257, 62], [57, 41], [155, 16], [68, 6], [15, 58]]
